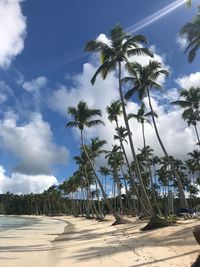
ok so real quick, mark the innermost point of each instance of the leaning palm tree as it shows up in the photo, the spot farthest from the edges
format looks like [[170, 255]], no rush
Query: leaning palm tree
[[144, 79], [122, 45], [84, 117], [95, 150], [114, 111], [105, 172], [142, 117], [191, 105], [191, 31]]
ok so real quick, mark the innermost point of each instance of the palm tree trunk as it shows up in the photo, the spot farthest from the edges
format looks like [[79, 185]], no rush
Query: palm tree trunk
[[150, 172], [183, 200], [131, 174], [195, 127], [117, 218], [148, 203]]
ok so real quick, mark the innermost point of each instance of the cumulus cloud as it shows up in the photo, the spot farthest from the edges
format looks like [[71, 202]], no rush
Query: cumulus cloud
[[24, 184], [12, 31], [187, 81], [32, 144], [35, 84], [95, 95], [172, 128]]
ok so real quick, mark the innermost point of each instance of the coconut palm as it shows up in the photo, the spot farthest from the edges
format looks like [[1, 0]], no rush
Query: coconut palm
[[95, 150], [191, 106], [84, 117], [142, 117], [195, 160], [114, 111], [115, 160], [191, 31], [122, 45], [144, 79], [105, 172]]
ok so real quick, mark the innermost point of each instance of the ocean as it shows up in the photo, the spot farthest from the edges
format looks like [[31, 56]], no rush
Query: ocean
[[9, 222]]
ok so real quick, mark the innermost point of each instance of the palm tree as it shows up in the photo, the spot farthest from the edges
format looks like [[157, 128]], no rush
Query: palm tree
[[195, 159], [142, 117], [122, 46], [114, 111], [115, 160], [105, 172], [83, 117], [95, 150], [192, 33], [144, 79], [191, 106]]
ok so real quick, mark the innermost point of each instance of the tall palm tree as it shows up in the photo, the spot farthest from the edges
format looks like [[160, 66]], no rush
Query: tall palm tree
[[144, 79], [112, 56], [105, 172], [95, 150], [84, 117], [115, 160], [142, 117], [191, 106], [191, 31], [114, 111]]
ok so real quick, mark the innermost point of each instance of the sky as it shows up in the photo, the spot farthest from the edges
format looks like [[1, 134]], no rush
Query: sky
[[44, 70]]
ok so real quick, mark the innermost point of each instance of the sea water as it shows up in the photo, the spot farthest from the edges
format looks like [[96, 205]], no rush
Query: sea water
[[9, 222]]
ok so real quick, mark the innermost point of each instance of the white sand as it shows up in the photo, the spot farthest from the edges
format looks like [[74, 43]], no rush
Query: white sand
[[91, 243]]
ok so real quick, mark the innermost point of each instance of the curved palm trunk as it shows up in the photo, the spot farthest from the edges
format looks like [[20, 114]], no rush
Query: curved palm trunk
[[197, 134], [116, 178], [100, 216], [117, 218], [98, 202], [126, 190], [150, 173], [131, 175], [148, 203], [183, 200]]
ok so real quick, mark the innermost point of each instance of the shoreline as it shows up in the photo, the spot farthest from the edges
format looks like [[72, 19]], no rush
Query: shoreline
[[67, 241]]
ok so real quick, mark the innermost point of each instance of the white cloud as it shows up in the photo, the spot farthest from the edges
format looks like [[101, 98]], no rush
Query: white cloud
[[5, 92], [192, 80], [24, 184], [12, 31], [35, 84], [182, 42], [173, 130], [32, 143], [103, 38], [96, 95]]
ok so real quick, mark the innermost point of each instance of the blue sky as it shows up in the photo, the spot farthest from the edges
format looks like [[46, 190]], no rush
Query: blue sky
[[44, 70]]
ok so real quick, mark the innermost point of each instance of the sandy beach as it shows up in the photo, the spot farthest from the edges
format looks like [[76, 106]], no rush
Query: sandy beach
[[68, 241]]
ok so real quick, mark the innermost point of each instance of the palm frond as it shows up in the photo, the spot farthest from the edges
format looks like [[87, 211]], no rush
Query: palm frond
[[131, 41], [94, 123], [134, 116], [150, 114], [72, 124], [139, 52], [181, 103], [130, 92]]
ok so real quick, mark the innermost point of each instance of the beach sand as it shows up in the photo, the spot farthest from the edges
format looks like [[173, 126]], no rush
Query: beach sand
[[81, 242]]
